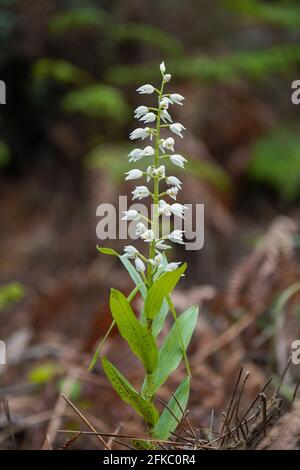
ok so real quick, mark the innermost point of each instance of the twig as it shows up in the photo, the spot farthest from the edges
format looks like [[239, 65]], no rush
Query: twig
[[99, 437]]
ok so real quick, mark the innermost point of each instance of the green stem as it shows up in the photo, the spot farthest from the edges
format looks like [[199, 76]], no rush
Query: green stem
[[155, 216]]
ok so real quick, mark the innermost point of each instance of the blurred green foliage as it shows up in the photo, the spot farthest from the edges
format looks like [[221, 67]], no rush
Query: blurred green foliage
[[10, 293], [97, 100], [276, 162], [59, 70], [285, 13], [78, 18], [255, 65], [44, 373]]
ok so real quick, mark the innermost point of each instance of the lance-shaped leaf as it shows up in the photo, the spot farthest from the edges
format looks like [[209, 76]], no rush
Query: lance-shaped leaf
[[134, 275], [160, 289], [172, 414], [138, 337], [159, 320], [171, 351], [128, 266], [128, 394]]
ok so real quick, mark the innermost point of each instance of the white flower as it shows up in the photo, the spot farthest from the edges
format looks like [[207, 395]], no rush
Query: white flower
[[162, 246], [164, 208], [172, 192], [172, 266], [177, 128], [133, 174], [130, 252], [176, 237], [141, 111], [162, 68], [168, 144], [140, 192], [157, 261], [176, 98], [139, 264], [148, 236], [165, 102], [131, 215], [173, 181], [145, 89], [149, 117], [178, 160], [136, 155], [140, 228], [148, 151], [167, 77], [165, 116], [177, 209], [140, 133], [160, 171], [149, 172]]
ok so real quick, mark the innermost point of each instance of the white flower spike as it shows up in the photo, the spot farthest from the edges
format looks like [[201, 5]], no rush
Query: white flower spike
[[133, 174], [148, 236], [177, 128], [168, 144], [178, 160], [172, 192], [145, 89], [162, 68], [149, 117], [139, 264], [176, 98], [130, 252], [131, 215], [135, 155], [177, 237], [140, 133], [172, 266], [149, 151], [173, 181], [140, 192], [141, 111], [140, 229]]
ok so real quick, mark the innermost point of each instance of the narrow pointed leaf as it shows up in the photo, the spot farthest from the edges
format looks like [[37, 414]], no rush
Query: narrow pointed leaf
[[171, 353], [161, 288], [107, 251], [167, 422], [138, 337], [159, 320], [128, 266], [128, 394], [134, 276]]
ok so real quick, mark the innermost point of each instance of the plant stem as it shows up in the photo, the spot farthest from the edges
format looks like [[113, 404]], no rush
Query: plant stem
[[155, 215]]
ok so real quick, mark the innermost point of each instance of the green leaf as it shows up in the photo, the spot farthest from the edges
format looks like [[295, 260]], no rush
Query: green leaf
[[98, 101], [162, 287], [107, 251], [159, 320], [134, 275], [129, 267], [59, 70], [138, 337], [171, 353], [167, 422], [128, 394]]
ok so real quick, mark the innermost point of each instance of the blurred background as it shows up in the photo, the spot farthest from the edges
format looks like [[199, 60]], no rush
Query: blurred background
[[71, 69]]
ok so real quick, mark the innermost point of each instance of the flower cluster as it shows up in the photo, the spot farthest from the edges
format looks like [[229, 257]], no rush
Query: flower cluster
[[159, 150]]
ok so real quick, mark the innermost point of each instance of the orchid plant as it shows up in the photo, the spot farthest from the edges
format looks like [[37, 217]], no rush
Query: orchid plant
[[154, 277]]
